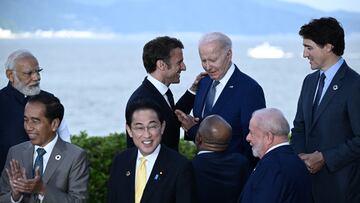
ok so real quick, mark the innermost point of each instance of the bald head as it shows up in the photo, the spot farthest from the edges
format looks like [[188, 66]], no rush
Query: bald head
[[214, 134]]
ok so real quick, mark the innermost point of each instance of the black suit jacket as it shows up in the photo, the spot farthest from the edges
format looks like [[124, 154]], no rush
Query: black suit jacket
[[12, 132], [279, 177], [335, 132], [220, 176], [171, 133], [171, 179]]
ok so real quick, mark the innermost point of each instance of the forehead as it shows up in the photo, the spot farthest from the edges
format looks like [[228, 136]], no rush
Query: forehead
[[144, 116], [35, 109], [176, 54], [27, 62]]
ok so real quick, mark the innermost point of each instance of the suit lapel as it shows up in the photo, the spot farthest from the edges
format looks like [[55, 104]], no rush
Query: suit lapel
[[129, 174], [156, 94], [201, 94], [334, 87], [157, 176], [55, 160], [27, 161], [228, 91]]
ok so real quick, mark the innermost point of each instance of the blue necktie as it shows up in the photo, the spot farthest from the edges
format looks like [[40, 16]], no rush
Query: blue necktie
[[39, 160], [318, 93], [210, 98]]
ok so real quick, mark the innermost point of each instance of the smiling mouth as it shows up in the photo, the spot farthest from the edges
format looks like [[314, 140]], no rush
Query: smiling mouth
[[147, 142]]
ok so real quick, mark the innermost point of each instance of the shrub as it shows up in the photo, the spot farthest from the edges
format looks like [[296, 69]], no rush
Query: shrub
[[101, 151]]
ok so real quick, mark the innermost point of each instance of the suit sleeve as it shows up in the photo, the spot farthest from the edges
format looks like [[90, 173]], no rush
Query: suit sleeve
[[298, 132], [270, 186], [186, 102], [78, 183], [185, 185], [5, 190], [345, 153]]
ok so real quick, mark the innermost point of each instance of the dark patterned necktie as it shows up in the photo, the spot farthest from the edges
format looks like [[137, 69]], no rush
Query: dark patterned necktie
[[39, 160], [210, 98], [318, 93], [170, 98]]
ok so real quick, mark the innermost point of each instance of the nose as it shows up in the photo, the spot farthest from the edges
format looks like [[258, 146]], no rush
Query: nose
[[35, 76], [183, 67], [248, 137], [305, 53]]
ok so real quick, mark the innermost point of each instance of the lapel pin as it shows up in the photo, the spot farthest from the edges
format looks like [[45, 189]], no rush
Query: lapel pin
[[156, 177], [335, 87], [231, 86], [127, 173], [57, 157]]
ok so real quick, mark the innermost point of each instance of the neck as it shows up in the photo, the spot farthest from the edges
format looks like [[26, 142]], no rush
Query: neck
[[330, 62], [159, 77]]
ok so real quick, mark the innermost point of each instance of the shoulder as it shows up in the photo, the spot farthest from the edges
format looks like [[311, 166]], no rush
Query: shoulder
[[172, 156], [21, 146]]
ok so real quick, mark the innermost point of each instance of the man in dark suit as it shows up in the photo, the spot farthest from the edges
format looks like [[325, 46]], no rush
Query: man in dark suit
[[163, 61], [219, 176], [23, 72], [326, 132], [226, 91], [280, 176], [45, 169], [149, 172]]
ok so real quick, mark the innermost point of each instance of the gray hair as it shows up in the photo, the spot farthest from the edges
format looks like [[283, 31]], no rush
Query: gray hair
[[272, 120], [216, 36], [16, 55]]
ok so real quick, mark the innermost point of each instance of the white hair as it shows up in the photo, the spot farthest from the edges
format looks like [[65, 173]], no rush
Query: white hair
[[272, 120], [16, 55], [216, 36]]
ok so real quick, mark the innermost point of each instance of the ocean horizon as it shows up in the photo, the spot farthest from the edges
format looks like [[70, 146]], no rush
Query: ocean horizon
[[94, 77]]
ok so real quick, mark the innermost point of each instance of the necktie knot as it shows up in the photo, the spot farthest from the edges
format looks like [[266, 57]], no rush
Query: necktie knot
[[215, 83], [41, 152]]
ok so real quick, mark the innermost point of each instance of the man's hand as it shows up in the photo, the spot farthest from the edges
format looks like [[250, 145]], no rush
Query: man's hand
[[34, 186], [314, 161], [187, 121], [15, 172], [194, 86]]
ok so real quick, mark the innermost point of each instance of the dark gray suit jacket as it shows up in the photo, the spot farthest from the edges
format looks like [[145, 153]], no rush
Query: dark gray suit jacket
[[66, 178], [335, 132]]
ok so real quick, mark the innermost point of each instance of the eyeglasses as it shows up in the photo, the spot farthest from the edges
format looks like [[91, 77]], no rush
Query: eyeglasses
[[31, 73], [139, 130]]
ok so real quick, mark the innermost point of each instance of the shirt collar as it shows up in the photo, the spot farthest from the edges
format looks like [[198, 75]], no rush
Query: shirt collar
[[49, 146], [276, 146], [158, 85], [227, 75], [151, 156], [330, 73]]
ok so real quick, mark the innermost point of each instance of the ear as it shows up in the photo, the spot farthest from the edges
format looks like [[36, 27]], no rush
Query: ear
[[198, 139], [161, 64], [10, 75], [163, 127], [328, 47], [55, 124], [128, 129], [229, 53], [269, 138]]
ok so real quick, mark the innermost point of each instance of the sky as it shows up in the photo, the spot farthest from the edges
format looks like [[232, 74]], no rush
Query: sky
[[331, 5]]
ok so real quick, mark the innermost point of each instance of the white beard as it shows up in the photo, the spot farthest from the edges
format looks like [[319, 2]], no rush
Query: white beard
[[27, 91]]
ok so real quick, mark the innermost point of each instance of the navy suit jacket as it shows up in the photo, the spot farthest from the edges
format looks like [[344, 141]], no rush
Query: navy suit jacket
[[171, 179], [335, 132], [220, 176], [12, 132], [279, 177], [171, 133], [241, 96]]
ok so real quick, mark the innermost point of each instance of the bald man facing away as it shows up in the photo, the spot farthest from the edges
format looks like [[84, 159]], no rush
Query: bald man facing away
[[220, 176]]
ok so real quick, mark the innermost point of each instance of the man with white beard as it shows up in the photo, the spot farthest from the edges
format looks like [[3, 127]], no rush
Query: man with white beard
[[23, 71], [280, 175]]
